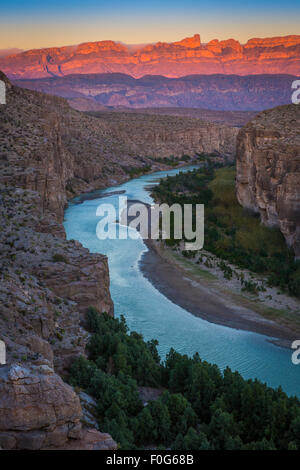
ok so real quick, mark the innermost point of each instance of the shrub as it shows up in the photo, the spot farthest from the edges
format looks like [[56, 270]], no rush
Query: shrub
[[59, 258]]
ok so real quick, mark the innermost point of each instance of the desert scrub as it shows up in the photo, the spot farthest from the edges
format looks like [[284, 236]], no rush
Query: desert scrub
[[136, 171], [59, 258]]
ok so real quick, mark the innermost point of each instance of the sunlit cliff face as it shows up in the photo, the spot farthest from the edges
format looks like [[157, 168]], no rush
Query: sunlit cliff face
[[186, 57]]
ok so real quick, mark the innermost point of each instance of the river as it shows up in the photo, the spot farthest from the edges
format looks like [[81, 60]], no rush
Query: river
[[152, 314]]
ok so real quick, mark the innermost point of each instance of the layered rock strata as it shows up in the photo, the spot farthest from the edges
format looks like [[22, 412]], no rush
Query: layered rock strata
[[268, 170], [186, 57]]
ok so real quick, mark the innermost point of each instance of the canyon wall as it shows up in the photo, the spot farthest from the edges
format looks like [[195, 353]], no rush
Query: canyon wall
[[47, 283], [189, 56], [50, 148], [148, 135], [268, 170]]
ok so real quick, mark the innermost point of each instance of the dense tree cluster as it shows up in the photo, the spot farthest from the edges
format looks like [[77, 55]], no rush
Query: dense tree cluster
[[133, 172], [231, 232], [199, 407], [172, 160]]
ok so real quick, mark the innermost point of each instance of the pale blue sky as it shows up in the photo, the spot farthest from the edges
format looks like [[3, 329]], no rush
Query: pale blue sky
[[30, 24]]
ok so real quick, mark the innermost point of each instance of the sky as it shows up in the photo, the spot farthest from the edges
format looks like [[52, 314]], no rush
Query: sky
[[29, 24]]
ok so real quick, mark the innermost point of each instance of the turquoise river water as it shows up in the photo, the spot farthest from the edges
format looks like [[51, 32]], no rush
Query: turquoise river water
[[152, 314]]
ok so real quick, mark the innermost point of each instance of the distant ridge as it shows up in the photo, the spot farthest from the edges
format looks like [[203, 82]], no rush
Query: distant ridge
[[8, 52], [92, 92], [180, 58]]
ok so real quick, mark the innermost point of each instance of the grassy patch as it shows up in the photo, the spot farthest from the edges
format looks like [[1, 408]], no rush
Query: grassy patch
[[191, 267], [133, 172]]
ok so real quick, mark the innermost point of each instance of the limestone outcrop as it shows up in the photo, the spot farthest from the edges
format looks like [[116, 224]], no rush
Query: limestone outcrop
[[268, 170], [37, 408], [39, 411]]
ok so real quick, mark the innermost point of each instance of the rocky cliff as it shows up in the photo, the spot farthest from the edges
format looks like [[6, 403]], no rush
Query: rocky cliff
[[215, 92], [189, 56], [268, 170], [148, 135], [54, 150], [47, 283]]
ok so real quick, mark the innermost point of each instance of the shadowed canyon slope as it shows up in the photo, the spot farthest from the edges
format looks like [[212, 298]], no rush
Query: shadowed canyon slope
[[268, 170], [151, 135], [46, 283], [214, 92], [189, 56]]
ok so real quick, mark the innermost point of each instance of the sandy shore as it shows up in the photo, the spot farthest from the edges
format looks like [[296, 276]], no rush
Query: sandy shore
[[206, 298]]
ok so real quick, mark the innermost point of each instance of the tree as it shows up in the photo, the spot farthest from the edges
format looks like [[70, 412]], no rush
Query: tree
[[220, 428], [145, 427], [161, 421]]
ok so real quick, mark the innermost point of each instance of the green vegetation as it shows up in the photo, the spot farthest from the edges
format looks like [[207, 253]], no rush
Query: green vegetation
[[133, 172], [175, 161], [59, 258], [172, 161], [231, 232], [199, 408]]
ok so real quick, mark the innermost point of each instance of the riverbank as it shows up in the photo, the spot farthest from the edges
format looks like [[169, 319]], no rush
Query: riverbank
[[204, 295], [153, 315]]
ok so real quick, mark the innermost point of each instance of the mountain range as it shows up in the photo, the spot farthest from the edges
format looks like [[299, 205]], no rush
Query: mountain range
[[94, 92], [188, 56]]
